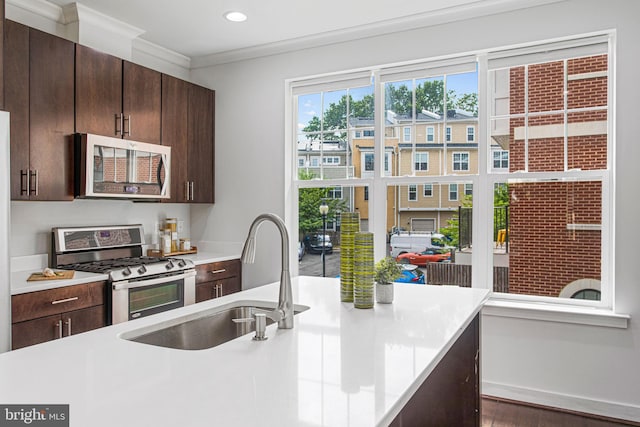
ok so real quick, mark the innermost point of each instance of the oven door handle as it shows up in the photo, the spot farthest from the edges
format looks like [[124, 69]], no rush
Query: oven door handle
[[125, 284]]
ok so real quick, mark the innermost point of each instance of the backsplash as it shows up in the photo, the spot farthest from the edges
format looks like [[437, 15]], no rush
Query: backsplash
[[31, 222]]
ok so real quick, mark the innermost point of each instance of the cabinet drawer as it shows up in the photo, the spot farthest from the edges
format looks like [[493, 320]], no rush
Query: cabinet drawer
[[217, 270], [33, 305], [219, 288]]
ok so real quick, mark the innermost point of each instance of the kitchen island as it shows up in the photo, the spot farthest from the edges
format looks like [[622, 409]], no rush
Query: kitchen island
[[338, 366]]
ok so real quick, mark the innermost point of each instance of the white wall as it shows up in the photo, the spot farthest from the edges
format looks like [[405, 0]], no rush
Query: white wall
[[578, 367], [31, 222]]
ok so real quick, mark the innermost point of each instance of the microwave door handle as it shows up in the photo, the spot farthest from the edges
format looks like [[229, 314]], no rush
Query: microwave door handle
[[163, 164], [117, 286]]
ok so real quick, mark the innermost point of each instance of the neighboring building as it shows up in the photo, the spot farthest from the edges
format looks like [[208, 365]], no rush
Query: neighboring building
[[555, 227]]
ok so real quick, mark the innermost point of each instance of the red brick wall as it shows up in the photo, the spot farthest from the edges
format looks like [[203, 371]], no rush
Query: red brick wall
[[544, 256]]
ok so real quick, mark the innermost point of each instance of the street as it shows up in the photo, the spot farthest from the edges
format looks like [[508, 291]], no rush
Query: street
[[311, 264]]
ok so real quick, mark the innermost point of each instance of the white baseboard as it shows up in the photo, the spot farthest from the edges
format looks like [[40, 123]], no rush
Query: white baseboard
[[563, 401]]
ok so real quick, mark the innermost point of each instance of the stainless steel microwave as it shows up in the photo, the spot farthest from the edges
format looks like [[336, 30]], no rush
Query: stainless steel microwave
[[108, 167]]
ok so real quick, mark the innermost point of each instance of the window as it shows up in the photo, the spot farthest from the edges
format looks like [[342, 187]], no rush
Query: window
[[301, 162], [540, 164], [468, 189], [430, 134], [315, 162], [460, 161], [421, 161], [413, 193], [453, 192], [406, 134], [501, 159], [331, 160], [335, 193]]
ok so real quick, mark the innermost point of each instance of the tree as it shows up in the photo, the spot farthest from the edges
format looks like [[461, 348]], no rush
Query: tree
[[309, 200], [500, 199]]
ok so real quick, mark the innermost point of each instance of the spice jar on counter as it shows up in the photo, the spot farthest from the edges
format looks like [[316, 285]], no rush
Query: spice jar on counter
[[172, 226]]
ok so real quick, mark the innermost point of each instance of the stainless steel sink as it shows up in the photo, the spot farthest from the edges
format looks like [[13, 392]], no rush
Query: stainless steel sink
[[206, 329]]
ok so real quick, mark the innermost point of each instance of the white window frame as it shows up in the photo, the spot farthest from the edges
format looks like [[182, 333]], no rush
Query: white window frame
[[430, 134], [334, 191], [471, 132], [448, 131], [406, 134], [500, 160], [424, 190], [419, 162], [484, 180], [331, 161], [468, 189], [460, 161], [302, 161], [453, 189], [412, 189]]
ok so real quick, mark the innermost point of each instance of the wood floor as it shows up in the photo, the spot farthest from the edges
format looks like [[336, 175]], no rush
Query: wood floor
[[500, 413]]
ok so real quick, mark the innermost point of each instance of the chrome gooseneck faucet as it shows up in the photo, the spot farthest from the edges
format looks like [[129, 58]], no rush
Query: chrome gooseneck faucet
[[284, 313]]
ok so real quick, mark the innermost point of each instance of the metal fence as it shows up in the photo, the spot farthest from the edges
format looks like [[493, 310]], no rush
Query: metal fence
[[500, 226]]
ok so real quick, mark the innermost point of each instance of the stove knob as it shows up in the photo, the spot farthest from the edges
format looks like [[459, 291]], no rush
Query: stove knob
[[126, 271], [181, 263], [169, 265], [142, 269]]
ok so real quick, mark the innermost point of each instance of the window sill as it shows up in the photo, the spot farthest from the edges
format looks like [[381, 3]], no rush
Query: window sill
[[556, 313]]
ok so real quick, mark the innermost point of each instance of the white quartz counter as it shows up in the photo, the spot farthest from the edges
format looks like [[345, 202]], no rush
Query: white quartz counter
[[339, 366]]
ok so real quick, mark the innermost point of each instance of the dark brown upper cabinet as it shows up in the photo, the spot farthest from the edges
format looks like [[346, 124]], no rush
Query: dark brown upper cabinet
[[1, 55], [39, 86], [116, 98], [188, 128]]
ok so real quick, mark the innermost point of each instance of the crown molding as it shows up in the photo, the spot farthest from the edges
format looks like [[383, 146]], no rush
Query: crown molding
[[41, 8], [438, 17], [161, 53], [78, 13]]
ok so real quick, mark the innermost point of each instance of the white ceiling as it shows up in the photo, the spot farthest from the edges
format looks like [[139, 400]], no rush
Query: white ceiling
[[196, 28]]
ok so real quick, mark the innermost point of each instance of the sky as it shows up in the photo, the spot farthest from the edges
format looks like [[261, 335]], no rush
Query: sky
[[310, 105]]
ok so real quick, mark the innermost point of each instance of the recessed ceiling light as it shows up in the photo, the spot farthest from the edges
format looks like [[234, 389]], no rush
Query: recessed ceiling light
[[235, 16]]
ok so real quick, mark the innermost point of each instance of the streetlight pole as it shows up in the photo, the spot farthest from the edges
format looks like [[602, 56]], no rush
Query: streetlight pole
[[324, 209]]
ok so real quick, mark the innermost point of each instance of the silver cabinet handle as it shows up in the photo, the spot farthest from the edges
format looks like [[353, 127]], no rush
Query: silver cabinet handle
[[33, 189], [118, 120], [126, 119], [60, 301], [59, 327], [68, 323], [191, 195], [217, 271], [24, 182], [186, 191]]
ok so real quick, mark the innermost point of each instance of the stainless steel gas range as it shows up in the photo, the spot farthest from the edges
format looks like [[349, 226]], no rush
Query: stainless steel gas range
[[138, 285]]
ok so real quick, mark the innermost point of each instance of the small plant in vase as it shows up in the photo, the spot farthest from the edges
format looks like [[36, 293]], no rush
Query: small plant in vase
[[386, 271]]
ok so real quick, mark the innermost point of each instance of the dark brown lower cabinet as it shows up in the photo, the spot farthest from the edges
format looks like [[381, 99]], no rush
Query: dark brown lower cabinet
[[218, 279], [56, 313], [450, 396]]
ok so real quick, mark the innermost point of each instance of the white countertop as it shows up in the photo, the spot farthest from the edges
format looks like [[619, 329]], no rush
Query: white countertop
[[20, 285], [339, 366]]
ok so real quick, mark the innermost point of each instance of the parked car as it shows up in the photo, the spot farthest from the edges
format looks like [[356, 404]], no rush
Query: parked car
[[315, 242], [421, 259], [401, 243], [411, 274], [301, 251]]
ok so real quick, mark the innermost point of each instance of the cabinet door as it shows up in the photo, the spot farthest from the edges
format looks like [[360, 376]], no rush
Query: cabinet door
[[175, 99], [36, 331], [141, 103], [98, 92], [205, 291], [51, 111], [230, 286], [88, 319], [201, 144], [16, 79]]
